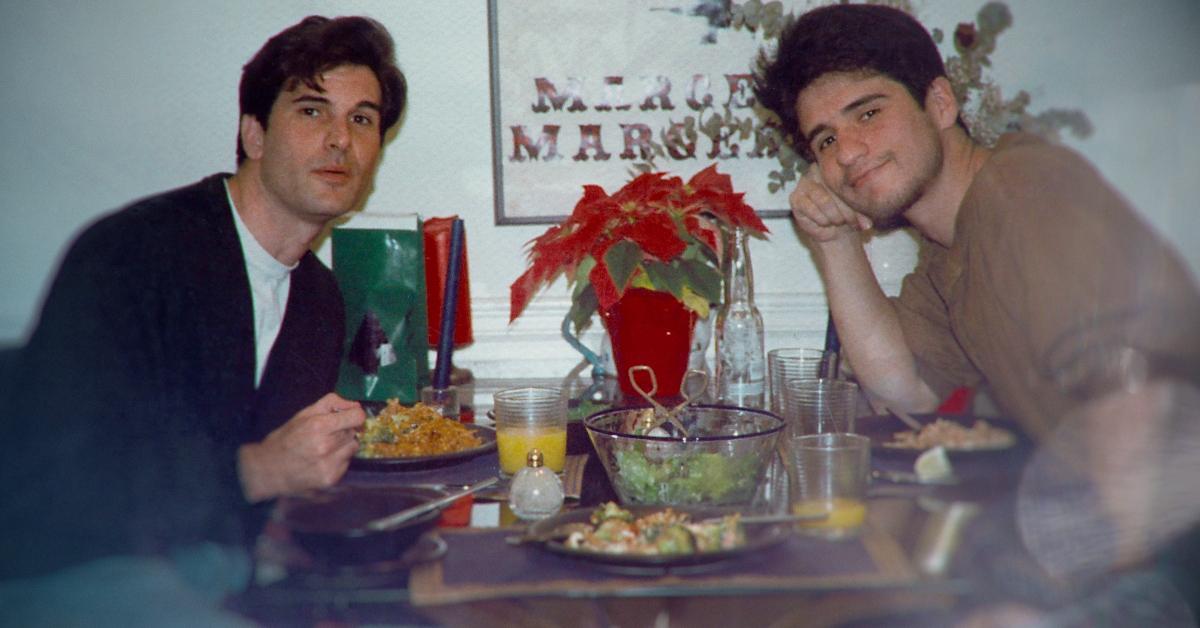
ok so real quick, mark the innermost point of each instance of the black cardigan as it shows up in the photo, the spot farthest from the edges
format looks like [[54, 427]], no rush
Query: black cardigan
[[137, 387]]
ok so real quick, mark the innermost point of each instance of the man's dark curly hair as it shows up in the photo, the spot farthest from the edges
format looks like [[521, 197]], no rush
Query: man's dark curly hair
[[316, 44], [845, 38]]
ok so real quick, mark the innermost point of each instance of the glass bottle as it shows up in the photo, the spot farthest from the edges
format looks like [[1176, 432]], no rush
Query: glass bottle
[[741, 363], [701, 340], [536, 492]]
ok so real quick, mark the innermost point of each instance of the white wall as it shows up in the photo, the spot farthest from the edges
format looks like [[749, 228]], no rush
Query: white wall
[[106, 102]]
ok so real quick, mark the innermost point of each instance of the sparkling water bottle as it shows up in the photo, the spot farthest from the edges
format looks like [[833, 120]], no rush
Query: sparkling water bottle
[[741, 364]]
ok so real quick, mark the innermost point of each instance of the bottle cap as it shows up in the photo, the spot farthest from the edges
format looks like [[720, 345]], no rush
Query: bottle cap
[[534, 458]]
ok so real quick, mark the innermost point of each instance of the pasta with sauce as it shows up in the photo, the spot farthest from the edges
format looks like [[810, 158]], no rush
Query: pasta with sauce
[[406, 432]]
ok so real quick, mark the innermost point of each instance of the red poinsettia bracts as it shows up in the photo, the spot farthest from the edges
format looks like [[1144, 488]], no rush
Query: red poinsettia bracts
[[717, 190], [655, 232]]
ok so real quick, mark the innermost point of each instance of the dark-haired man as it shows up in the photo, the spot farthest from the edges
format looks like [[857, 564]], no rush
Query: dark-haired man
[[1036, 279], [181, 371]]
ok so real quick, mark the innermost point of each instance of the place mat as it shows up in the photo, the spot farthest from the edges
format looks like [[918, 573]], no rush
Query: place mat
[[799, 563]]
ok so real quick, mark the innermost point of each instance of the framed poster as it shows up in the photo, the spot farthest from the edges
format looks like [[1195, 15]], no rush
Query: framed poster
[[587, 92]]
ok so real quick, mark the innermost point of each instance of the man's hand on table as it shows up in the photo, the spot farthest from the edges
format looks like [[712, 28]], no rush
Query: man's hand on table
[[311, 450]]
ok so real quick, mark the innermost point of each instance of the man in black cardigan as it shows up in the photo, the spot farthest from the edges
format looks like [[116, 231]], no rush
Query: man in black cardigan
[[180, 375]]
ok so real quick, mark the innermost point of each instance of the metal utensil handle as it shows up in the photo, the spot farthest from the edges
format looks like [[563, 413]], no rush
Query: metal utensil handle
[[912, 423], [780, 518], [660, 411], [391, 521], [688, 398], [648, 395]]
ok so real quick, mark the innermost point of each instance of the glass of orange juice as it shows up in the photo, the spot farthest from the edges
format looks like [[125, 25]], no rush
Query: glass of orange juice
[[829, 474], [530, 418]]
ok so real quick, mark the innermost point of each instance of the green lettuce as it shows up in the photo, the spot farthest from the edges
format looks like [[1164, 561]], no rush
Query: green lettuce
[[699, 478]]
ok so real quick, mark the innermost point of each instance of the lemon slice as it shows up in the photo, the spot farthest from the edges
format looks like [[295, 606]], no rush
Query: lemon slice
[[933, 465]]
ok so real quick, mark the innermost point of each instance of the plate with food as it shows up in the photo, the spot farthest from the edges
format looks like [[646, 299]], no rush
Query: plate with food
[[653, 536], [957, 434], [398, 437]]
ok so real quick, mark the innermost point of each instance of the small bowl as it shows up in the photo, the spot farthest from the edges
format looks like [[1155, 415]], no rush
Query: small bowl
[[720, 463], [331, 525]]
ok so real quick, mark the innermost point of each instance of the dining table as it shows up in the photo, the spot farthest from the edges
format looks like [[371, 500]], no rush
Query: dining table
[[927, 554]]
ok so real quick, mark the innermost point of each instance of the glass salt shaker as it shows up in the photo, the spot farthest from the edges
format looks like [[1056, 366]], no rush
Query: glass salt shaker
[[536, 492]]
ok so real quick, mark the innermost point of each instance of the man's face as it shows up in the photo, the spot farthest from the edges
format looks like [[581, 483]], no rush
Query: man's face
[[878, 150], [319, 151]]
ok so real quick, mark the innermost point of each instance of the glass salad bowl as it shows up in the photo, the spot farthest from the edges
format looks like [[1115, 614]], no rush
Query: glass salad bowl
[[720, 462]]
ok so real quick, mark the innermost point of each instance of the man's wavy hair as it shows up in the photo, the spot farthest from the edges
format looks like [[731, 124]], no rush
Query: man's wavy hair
[[845, 38], [316, 44]]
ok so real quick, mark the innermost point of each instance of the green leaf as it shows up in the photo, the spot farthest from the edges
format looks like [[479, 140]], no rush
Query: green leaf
[[665, 277], [699, 254], [622, 259], [641, 280], [583, 305], [703, 279], [695, 302], [580, 280]]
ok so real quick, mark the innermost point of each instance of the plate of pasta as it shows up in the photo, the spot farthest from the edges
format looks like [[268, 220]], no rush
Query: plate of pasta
[[959, 435], [397, 437]]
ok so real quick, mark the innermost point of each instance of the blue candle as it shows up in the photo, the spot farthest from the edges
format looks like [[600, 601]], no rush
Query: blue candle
[[441, 372], [833, 348]]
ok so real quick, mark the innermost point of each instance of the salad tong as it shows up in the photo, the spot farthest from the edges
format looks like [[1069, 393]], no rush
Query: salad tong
[[649, 421]]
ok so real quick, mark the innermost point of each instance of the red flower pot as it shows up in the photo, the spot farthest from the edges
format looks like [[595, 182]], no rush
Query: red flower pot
[[654, 329]]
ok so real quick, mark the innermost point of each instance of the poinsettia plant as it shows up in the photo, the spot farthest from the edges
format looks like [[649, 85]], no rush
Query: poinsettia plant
[[656, 232]]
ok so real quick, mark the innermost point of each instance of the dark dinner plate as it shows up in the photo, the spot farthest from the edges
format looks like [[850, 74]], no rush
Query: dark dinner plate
[[331, 525], [486, 434], [881, 428], [758, 537]]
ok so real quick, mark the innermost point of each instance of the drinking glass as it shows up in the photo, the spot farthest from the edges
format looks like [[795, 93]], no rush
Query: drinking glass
[[791, 364], [788, 364], [820, 405], [530, 418], [443, 400], [829, 473]]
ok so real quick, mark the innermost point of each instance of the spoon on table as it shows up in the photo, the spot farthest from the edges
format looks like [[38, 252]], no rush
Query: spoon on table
[[393, 521]]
